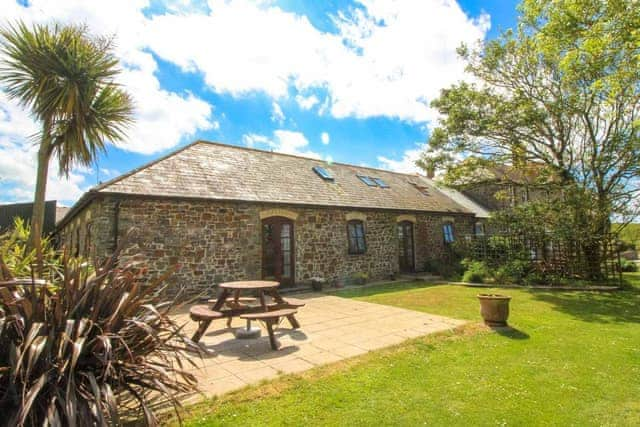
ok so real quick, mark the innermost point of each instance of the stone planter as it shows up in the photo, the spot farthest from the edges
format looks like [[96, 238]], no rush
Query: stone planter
[[494, 309]]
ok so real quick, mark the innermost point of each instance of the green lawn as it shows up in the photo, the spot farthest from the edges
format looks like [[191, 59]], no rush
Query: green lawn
[[572, 359]]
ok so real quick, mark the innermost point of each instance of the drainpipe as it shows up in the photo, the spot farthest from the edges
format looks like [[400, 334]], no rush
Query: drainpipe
[[116, 225]]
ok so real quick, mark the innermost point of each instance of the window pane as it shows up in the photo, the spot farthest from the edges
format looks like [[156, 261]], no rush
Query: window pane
[[361, 247], [355, 235], [448, 233], [380, 183], [367, 180], [324, 174]]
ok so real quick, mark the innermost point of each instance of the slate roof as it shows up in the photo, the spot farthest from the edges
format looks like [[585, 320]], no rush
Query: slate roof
[[217, 171], [479, 210]]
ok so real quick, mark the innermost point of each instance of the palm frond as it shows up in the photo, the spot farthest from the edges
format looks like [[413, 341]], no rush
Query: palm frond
[[66, 77]]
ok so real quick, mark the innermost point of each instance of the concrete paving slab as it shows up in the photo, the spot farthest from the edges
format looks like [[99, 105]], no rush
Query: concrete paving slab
[[332, 329]]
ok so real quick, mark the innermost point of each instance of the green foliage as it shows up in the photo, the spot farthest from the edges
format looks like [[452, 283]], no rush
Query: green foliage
[[360, 278], [92, 349], [20, 259], [65, 77], [449, 268], [475, 271], [628, 266], [562, 92], [628, 233], [513, 271]]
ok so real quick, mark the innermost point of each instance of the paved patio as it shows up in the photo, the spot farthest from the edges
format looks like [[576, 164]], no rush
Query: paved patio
[[333, 329]]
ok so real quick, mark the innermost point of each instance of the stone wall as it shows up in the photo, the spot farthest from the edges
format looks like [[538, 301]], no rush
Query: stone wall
[[221, 241]]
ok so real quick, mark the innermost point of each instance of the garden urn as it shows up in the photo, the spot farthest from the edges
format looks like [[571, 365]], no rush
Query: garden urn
[[494, 309]]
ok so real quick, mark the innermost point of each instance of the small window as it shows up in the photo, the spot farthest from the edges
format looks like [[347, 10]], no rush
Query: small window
[[355, 235], [367, 180], [447, 229], [479, 229], [323, 173], [380, 183]]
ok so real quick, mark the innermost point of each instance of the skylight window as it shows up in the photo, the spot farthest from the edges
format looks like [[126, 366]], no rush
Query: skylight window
[[367, 180], [380, 183], [323, 173]]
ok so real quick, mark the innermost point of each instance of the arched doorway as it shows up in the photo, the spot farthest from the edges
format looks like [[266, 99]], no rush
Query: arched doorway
[[278, 250], [406, 261]]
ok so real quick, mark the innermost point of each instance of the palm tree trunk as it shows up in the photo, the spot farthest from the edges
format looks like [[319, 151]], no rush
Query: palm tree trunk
[[37, 216]]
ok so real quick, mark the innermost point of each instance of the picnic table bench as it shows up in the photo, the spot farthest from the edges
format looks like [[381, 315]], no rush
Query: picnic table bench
[[270, 318], [230, 304]]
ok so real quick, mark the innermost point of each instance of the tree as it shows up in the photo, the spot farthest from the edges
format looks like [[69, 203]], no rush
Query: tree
[[65, 77], [561, 91]]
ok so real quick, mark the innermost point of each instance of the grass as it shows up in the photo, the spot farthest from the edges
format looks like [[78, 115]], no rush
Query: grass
[[571, 359]]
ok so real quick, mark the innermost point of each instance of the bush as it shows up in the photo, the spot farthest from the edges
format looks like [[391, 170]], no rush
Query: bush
[[360, 278], [20, 260], [92, 350], [476, 271], [628, 266], [513, 271]]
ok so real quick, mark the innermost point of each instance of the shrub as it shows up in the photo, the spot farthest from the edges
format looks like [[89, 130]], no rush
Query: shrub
[[360, 278], [20, 259], [476, 271], [535, 278], [92, 350], [513, 271], [432, 266], [628, 266], [449, 266]]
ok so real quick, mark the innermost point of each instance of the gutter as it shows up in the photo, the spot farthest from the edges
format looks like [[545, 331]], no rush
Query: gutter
[[80, 204], [92, 194]]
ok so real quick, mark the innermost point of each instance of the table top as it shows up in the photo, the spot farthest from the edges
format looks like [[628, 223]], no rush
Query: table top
[[250, 284]]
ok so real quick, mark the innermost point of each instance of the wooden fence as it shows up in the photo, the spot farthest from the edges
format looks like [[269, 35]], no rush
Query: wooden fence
[[580, 257]]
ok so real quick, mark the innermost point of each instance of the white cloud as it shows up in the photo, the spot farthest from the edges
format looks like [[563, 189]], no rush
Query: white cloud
[[108, 173], [324, 136], [252, 139], [307, 102], [406, 164], [276, 113], [18, 160], [388, 59], [163, 118], [283, 141]]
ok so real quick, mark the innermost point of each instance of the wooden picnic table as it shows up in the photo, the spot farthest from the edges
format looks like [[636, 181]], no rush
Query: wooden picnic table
[[230, 304]]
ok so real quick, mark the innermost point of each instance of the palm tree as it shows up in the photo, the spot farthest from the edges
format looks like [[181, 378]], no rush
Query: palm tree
[[65, 77]]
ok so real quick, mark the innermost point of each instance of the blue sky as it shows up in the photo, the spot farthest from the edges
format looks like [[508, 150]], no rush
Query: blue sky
[[346, 81]]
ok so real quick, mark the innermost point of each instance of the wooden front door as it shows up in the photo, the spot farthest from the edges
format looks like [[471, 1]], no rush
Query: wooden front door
[[277, 250], [405, 242]]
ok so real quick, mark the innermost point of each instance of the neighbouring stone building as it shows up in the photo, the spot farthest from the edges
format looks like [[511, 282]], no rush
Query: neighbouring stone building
[[223, 213]]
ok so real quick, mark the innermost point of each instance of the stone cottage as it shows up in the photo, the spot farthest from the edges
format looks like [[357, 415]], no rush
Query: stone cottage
[[224, 213]]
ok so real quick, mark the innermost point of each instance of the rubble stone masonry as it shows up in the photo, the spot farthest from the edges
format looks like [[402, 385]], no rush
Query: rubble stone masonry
[[215, 241]]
